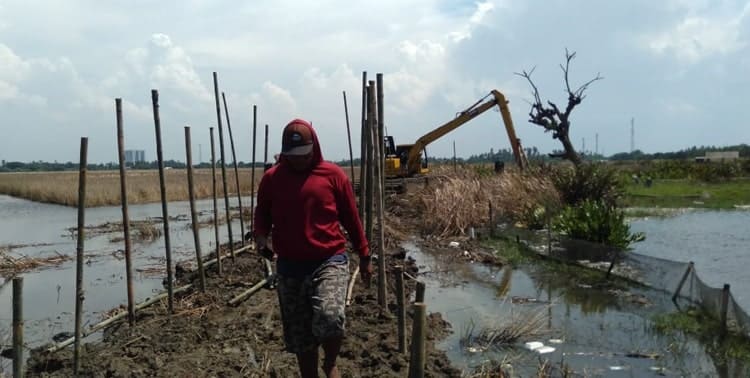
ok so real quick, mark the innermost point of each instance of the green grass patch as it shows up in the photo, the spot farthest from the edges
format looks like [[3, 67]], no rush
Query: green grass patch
[[509, 251], [689, 193], [706, 328]]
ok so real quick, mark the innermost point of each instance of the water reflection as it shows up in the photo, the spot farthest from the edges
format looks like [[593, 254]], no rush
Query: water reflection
[[600, 328]]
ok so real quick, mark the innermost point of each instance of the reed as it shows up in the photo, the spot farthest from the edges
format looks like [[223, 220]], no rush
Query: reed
[[103, 186], [459, 200]]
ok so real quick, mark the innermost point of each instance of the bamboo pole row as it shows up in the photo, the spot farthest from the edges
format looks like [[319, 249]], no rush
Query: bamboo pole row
[[169, 294]]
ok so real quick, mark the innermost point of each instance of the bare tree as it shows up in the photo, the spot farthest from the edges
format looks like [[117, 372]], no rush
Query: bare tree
[[551, 118]]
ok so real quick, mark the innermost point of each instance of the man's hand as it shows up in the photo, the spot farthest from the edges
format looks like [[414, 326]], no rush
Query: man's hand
[[261, 246], [365, 270]]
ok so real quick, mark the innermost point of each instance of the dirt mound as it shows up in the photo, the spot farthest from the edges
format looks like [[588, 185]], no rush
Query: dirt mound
[[206, 337]]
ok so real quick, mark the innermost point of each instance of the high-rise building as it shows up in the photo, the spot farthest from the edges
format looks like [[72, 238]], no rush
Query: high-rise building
[[135, 156]]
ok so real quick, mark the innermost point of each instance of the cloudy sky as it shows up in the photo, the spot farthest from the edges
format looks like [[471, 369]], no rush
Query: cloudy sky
[[677, 67]]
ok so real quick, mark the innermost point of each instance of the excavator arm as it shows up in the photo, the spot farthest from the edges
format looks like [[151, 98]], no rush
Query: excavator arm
[[413, 161]]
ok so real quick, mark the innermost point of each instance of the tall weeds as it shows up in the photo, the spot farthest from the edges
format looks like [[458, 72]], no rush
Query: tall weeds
[[461, 199]]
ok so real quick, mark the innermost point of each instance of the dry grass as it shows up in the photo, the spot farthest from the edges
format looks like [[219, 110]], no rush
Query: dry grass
[[103, 187], [518, 325], [12, 265], [459, 200]]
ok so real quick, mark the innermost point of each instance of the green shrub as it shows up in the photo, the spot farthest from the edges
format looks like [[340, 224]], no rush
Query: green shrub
[[598, 222], [593, 181]]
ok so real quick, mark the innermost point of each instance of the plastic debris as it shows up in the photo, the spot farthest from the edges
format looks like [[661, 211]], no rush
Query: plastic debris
[[533, 345], [545, 349], [617, 368], [555, 341], [454, 244]]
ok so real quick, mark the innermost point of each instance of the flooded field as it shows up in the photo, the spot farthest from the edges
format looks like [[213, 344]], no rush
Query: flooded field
[[717, 241], [592, 331], [38, 230]]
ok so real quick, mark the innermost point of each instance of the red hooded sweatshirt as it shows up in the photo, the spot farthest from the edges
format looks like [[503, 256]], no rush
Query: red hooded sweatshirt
[[304, 209]]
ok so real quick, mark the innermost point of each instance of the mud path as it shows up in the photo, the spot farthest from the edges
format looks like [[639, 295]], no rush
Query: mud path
[[206, 337]]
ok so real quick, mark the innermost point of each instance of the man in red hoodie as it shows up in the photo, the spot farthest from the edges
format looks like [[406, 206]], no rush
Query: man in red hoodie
[[304, 200]]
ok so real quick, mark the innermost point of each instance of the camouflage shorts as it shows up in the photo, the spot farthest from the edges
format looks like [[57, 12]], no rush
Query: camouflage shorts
[[312, 307]]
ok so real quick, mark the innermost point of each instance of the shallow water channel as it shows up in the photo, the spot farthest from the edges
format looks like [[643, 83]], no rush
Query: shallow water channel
[[595, 329], [594, 332]]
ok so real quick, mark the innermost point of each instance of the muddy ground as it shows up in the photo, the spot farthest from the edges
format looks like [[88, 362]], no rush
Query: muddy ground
[[206, 337]]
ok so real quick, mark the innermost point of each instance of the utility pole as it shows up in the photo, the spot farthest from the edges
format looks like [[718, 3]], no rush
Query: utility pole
[[200, 153], [632, 135], [583, 145]]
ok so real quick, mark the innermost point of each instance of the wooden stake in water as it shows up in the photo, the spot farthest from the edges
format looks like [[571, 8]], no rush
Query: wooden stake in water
[[79, 253], [236, 171], [17, 327], [125, 217], [223, 167], [193, 211], [219, 264], [349, 136], [163, 189]]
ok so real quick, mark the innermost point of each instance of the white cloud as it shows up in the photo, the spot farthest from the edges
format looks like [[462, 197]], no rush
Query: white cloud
[[279, 97], [476, 19], [698, 36]]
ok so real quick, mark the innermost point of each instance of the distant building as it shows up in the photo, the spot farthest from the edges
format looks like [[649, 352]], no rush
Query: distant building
[[135, 156], [719, 156]]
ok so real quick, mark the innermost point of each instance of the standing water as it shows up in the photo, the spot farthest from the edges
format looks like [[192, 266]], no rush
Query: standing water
[[42, 230], [718, 242]]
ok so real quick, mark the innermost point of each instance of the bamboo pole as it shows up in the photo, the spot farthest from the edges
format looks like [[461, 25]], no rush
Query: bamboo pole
[[236, 171], [401, 309], [370, 176], [223, 167], [17, 327], [193, 211], [419, 296], [350, 289], [682, 281], [125, 217], [214, 191], [349, 136], [381, 133], [265, 149], [363, 154], [724, 309], [418, 335], [247, 293], [252, 172], [79, 253], [378, 199], [163, 189]]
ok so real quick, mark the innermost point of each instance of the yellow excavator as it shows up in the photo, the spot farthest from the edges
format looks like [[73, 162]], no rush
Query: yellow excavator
[[405, 160]]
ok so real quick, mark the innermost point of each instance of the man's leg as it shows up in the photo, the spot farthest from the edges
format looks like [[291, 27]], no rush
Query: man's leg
[[308, 363], [328, 304], [296, 316], [331, 348]]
